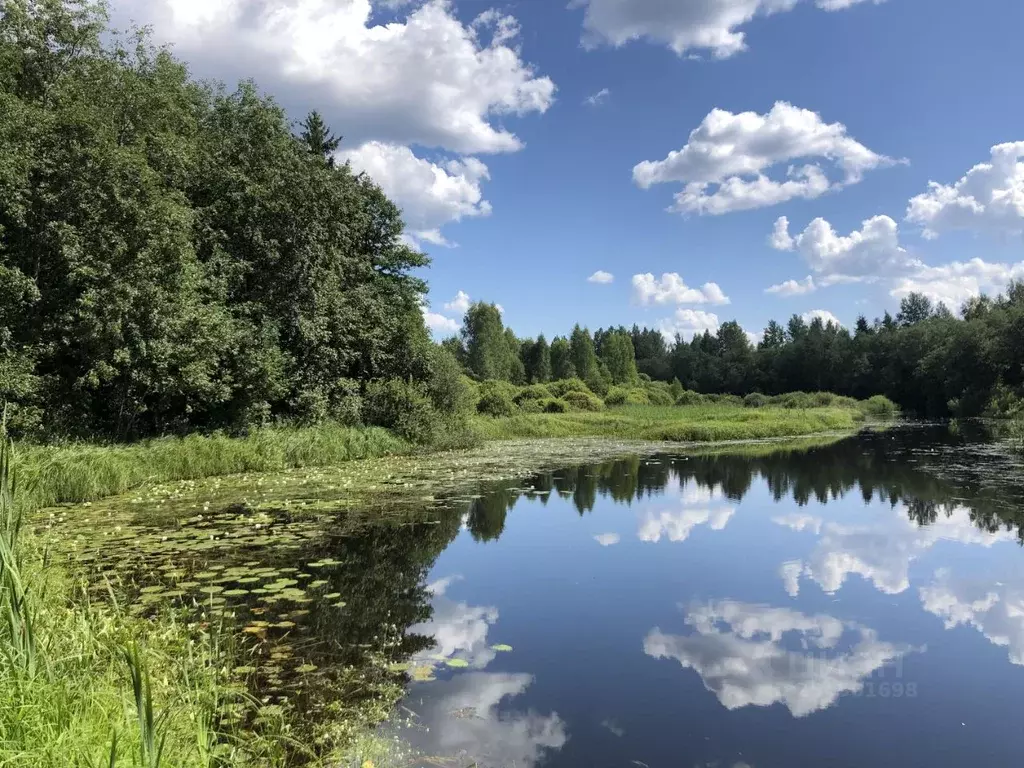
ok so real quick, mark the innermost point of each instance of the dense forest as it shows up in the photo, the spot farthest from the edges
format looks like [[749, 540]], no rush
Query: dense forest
[[177, 256], [926, 359]]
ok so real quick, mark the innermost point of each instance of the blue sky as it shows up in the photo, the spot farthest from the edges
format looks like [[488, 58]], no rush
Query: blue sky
[[475, 117]]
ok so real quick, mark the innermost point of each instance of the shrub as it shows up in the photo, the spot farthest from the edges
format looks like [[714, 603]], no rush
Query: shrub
[[559, 388], [401, 407], [689, 397], [616, 396], [583, 401], [445, 385], [637, 397], [533, 392], [880, 406], [497, 403], [598, 384], [755, 400], [532, 406], [554, 405], [659, 393], [645, 377]]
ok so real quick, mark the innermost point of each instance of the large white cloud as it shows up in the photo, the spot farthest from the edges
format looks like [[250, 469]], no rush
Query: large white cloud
[[671, 289], [793, 287], [956, 282], [881, 551], [724, 165], [989, 197], [868, 253], [428, 79], [995, 609], [739, 651], [460, 304], [429, 195], [684, 25]]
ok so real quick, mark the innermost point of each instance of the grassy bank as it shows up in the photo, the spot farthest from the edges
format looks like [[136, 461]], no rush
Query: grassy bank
[[697, 423], [57, 474]]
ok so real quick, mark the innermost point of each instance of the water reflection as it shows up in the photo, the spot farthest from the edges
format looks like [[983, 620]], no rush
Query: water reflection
[[758, 655], [996, 609], [459, 720], [694, 506]]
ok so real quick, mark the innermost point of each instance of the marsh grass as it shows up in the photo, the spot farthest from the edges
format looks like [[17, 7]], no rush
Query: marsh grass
[[85, 683], [75, 472], [691, 423]]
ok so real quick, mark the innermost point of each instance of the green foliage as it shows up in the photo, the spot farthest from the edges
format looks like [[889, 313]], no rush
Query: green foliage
[[192, 264], [658, 393], [618, 356], [676, 390], [532, 393], [402, 407], [880, 407], [755, 400], [496, 398], [555, 405], [538, 361], [689, 397], [637, 396], [616, 396], [561, 360], [582, 354], [560, 387], [583, 401]]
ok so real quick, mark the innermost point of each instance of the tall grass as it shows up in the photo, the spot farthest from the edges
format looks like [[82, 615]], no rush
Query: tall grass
[[75, 676], [697, 423], [55, 474]]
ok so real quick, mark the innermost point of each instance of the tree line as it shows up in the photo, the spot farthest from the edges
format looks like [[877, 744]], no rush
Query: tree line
[[926, 359], [178, 256]]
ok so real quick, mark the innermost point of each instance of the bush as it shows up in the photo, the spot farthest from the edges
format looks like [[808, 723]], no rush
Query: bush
[[583, 401], [659, 393], [534, 392], [559, 388], [689, 397], [637, 397], [533, 406], [495, 403], [880, 406], [401, 407], [445, 385], [555, 405], [616, 396], [755, 400]]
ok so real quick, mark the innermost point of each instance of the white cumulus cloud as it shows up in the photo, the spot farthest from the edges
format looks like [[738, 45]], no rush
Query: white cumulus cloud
[[601, 277], [793, 287], [460, 304], [989, 197], [671, 289], [824, 315], [430, 195], [956, 282], [437, 322], [428, 79], [871, 252], [684, 25], [724, 165], [607, 539], [740, 653], [688, 323]]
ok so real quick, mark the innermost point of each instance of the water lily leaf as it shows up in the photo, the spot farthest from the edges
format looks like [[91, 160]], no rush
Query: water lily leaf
[[501, 647], [457, 663]]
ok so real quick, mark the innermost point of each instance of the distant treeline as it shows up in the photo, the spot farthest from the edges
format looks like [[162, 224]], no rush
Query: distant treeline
[[175, 256], [927, 360]]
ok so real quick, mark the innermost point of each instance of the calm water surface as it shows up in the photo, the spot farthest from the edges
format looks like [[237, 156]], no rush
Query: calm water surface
[[860, 604]]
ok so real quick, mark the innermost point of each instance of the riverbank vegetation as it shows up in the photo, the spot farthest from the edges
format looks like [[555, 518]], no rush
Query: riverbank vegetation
[[927, 360]]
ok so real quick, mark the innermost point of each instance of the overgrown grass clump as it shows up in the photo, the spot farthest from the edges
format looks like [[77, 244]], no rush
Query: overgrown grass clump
[[85, 683], [698, 423], [56, 474]]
